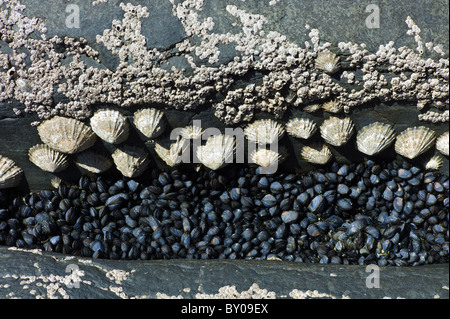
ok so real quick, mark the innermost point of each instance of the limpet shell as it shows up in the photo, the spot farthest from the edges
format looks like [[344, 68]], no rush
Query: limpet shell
[[10, 173], [264, 131], [442, 143], [130, 160], [66, 135], [434, 164], [149, 122], [301, 127], [374, 138], [110, 125], [93, 162], [328, 62], [48, 159], [191, 132], [172, 156], [333, 106], [336, 131], [414, 141], [264, 157], [217, 152], [316, 154]]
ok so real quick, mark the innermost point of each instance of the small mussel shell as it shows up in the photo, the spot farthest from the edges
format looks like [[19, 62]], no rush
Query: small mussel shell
[[93, 161], [10, 173], [374, 138], [110, 125], [48, 159], [149, 122], [130, 160], [414, 141], [66, 135]]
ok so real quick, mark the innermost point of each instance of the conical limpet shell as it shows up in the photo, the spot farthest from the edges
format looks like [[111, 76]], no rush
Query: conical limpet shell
[[328, 62], [93, 162], [265, 158], [130, 160], [191, 132], [374, 138], [48, 159], [301, 127], [442, 143], [66, 135], [434, 164], [110, 125], [333, 106], [336, 131], [414, 141], [149, 122], [316, 154], [217, 152], [10, 173], [172, 156], [264, 131]]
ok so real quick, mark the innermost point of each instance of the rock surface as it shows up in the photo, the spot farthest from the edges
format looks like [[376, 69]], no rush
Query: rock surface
[[30, 274]]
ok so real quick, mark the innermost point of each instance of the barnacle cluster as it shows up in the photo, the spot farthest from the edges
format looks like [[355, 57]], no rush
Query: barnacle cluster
[[292, 75]]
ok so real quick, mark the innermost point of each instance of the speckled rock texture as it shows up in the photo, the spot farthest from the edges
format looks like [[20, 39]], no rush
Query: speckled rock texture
[[32, 275]]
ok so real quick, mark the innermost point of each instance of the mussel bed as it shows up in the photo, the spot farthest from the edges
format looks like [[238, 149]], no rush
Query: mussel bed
[[384, 213]]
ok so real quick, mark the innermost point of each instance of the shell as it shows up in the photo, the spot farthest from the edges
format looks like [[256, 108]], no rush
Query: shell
[[110, 125], [48, 159], [328, 62], [217, 152], [316, 154], [66, 135], [333, 106], [130, 160], [301, 127], [374, 138], [149, 122], [442, 143], [10, 173], [172, 156], [336, 131], [93, 162], [312, 108], [191, 132], [414, 141], [264, 131], [264, 157], [434, 164]]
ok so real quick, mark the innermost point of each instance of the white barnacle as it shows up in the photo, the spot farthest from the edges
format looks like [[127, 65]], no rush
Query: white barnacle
[[130, 160], [442, 143], [374, 138], [301, 127], [110, 125], [217, 152], [48, 159], [328, 62], [434, 164], [66, 135], [172, 156], [264, 131], [316, 154], [10, 173], [336, 131], [414, 141]]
